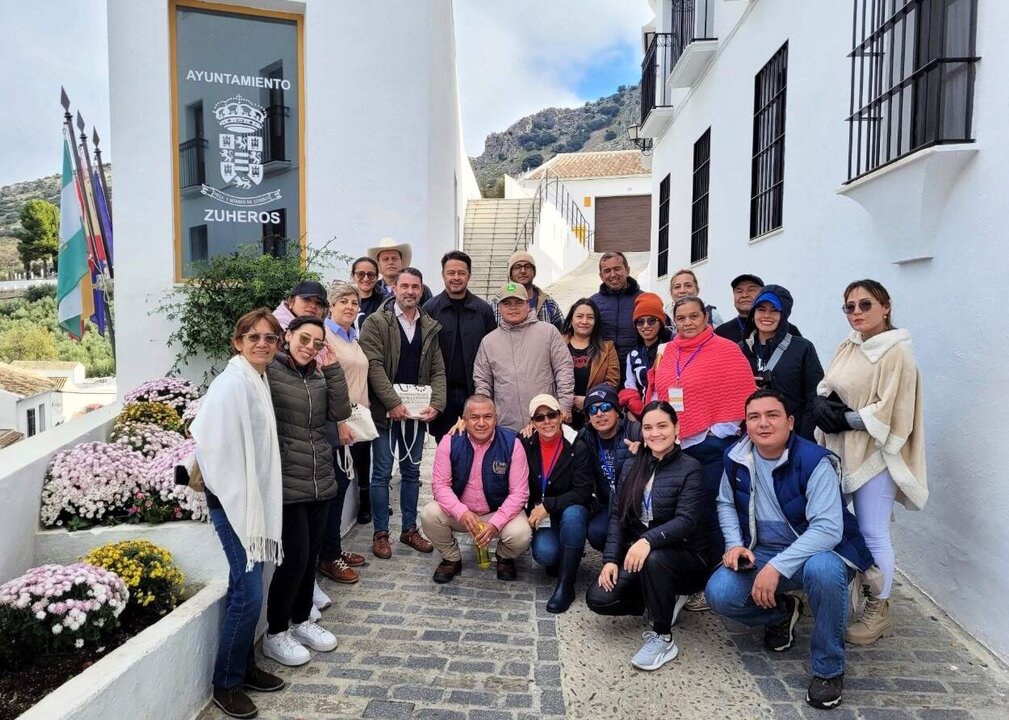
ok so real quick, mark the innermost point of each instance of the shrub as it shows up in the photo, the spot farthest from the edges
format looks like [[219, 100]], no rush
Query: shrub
[[90, 484], [37, 292], [154, 413], [146, 438], [532, 161], [169, 501], [174, 391], [58, 608], [153, 580], [610, 135]]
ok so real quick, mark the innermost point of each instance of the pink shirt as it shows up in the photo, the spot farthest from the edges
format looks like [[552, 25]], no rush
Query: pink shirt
[[473, 497]]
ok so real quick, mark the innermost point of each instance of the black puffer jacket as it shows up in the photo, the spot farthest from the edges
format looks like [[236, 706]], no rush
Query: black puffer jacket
[[589, 458], [566, 488], [304, 400], [681, 506]]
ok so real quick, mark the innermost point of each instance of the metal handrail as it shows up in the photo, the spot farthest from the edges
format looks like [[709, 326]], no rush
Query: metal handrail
[[552, 190]]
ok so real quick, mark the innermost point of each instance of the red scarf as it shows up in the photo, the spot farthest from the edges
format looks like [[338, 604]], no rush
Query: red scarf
[[714, 374]]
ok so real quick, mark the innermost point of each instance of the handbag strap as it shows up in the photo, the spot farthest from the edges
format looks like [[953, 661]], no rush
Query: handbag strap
[[345, 461], [409, 447]]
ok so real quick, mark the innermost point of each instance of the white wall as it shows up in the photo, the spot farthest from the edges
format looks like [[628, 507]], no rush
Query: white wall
[[383, 147], [556, 249], [581, 188], [828, 240]]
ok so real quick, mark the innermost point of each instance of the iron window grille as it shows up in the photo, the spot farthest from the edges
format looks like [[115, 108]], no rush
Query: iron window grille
[[699, 205], [768, 164], [663, 255], [912, 78]]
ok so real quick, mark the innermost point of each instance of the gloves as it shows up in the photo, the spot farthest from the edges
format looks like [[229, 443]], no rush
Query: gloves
[[828, 414], [631, 401]]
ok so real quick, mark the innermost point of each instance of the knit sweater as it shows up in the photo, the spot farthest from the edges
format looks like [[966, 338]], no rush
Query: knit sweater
[[715, 378], [880, 380]]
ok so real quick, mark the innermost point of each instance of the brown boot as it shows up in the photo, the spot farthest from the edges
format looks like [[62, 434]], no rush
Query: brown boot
[[875, 622], [338, 571], [414, 539], [380, 546]]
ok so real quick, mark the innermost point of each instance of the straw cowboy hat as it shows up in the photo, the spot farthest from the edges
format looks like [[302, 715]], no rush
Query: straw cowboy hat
[[387, 243]]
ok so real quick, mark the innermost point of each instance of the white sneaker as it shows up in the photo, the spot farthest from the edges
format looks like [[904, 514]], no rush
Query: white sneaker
[[320, 599], [314, 636], [314, 614], [656, 652], [283, 648]]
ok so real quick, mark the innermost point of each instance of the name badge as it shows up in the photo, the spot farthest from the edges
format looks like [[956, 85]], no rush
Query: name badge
[[676, 398]]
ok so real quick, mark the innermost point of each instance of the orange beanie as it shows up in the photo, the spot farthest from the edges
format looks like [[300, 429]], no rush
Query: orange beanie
[[648, 305]]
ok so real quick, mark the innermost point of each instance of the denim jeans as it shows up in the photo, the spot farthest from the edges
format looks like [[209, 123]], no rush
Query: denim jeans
[[710, 454], [332, 542], [599, 527], [825, 579], [409, 470], [567, 530], [235, 653]]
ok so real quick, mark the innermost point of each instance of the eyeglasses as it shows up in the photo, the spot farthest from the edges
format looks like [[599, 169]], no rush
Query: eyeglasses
[[317, 344], [255, 338], [865, 305], [523, 267], [365, 275], [602, 407], [646, 321], [551, 415]]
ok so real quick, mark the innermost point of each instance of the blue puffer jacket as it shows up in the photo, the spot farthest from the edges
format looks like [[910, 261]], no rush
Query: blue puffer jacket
[[616, 315]]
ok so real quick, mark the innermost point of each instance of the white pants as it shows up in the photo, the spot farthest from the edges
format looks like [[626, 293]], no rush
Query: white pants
[[873, 509]]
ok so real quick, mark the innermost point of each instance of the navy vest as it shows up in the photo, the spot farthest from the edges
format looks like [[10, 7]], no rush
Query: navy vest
[[790, 481], [496, 464], [408, 370]]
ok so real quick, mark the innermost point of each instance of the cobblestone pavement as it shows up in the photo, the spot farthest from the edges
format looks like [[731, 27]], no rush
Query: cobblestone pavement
[[480, 649]]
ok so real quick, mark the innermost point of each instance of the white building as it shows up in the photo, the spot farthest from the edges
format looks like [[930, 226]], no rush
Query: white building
[[77, 393], [29, 403], [261, 120], [909, 193]]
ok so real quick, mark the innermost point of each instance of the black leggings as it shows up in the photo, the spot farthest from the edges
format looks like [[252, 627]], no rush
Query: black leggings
[[667, 572], [361, 453], [290, 598]]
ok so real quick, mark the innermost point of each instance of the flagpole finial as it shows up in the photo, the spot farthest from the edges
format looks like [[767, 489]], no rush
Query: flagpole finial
[[80, 122], [64, 100], [94, 137]]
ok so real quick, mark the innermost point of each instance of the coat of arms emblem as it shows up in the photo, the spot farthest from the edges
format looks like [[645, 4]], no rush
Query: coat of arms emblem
[[241, 147]]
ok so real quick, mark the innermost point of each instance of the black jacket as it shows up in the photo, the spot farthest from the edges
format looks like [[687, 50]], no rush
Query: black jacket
[[737, 328], [589, 464], [616, 316], [797, 372], [477, 319], [681, 508], [566, 487], [305, 401]]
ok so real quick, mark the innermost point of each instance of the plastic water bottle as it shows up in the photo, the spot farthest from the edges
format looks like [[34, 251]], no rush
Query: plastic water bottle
[[482, 553]]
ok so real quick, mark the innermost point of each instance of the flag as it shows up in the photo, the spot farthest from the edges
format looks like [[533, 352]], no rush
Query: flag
[[99, 263], [74, 301]]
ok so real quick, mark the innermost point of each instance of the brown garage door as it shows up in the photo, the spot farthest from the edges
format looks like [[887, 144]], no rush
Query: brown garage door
[[623, 223]]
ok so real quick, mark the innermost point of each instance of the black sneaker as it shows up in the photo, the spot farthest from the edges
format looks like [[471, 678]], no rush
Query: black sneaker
[[825, 693], [261, 681], [235, 703], [779, 637]]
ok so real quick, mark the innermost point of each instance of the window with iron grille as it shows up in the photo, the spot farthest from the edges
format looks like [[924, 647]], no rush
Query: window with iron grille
[[663, 257], [912, 78], [768, 164], [699, 206]]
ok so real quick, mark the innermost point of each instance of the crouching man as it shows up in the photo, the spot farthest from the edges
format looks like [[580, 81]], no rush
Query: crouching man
[[480, 483], [786, 529]]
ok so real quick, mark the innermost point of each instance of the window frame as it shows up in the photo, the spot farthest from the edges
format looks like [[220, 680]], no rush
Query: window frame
[[767, 167], [662, 254], [701, 178]]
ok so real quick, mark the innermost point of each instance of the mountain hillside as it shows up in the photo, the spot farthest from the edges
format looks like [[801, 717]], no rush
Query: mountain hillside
[[598, 125]]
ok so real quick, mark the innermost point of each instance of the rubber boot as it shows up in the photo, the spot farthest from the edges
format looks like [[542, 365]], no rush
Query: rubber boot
[[364, 508], [875, 622], [564, 593]]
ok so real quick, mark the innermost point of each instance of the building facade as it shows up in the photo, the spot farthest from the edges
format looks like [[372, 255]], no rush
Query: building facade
[[270, 123], [787, 145]]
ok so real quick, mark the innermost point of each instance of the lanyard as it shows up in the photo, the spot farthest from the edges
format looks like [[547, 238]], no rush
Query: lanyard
[[679, 354], [549, 467], [646, 497]]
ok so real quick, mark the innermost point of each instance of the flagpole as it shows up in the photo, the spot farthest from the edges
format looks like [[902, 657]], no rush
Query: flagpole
[[101, 172]]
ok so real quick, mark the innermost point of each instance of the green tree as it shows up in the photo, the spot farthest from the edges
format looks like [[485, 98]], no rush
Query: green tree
[[27, 341], [39, 234]]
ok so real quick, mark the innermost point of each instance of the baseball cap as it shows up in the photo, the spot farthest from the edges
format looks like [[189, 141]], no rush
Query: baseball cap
[[601, 394], [769, 297], [746, 277], [512, 290], [311, 289], [543, 400]]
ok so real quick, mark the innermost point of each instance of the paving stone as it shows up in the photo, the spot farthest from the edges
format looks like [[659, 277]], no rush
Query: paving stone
[[882, 713], [773, 689], [438, 714], [388, 709], [372, 691], [350, 673], [552, 701], [490, 715], [441, 635], [912, 685], [516, 669], [418, 692], [944, 714], [463, 666]]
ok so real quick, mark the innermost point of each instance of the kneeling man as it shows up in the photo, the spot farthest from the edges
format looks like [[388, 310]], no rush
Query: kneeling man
[[786, 529], [480, 484]]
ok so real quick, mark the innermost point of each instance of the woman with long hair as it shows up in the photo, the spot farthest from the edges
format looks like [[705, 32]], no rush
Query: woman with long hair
[[657, 546], [652, 331], [869, 412], [595, 360], [306, 398], [238, 453]]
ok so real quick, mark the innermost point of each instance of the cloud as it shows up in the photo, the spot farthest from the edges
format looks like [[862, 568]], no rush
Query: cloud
[[48, 43], [520, 56]]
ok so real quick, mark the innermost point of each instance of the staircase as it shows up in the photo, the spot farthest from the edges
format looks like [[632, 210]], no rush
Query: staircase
[[490, 236]]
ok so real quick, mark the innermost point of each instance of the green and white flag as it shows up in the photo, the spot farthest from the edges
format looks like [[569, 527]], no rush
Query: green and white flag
[[74, 300]]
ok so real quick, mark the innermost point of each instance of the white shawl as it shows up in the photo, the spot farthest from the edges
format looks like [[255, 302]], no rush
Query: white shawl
[[239, 455]]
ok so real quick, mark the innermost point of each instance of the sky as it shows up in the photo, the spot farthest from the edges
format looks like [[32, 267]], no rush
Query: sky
[[513, 58]]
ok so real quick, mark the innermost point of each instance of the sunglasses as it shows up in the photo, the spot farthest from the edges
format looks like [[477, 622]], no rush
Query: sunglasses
[[643, 321], [864, 305], [304, 339], [255, 338], [602, 407], [365, 275], [551, 415]]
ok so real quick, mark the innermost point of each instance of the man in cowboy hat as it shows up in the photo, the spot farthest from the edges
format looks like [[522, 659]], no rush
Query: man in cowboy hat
[[392, 257]]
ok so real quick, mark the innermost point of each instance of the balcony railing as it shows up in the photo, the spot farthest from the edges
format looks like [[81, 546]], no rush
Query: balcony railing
[[274, 133], [691, 20], [655, 68], [192, 162]]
